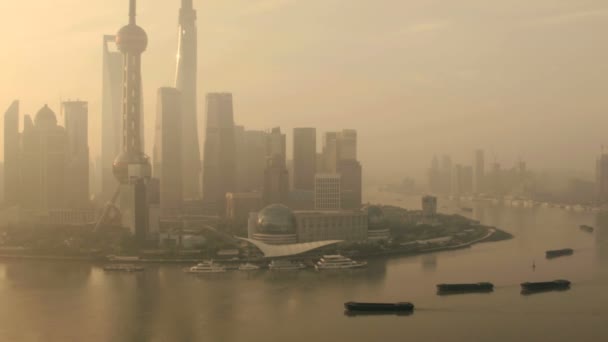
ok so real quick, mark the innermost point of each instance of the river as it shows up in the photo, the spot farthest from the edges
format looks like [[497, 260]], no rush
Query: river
[[64, 301]]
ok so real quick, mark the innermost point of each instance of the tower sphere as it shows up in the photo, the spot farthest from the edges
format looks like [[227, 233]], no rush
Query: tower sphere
[[120, 167], [132, 38]]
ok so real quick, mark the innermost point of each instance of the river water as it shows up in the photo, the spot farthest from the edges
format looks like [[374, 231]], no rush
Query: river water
[[49, 301]]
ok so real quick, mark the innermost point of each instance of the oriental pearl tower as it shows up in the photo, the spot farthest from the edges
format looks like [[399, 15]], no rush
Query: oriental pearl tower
[[132, 167]]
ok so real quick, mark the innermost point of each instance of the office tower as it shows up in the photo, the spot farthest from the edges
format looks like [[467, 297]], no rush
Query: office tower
[[219, 165], [185, 82], [601, 176], [446, 174], [330, 152], [479, 172], [76, 115], [351, 184], [434, 176], [276, 144], [240, 149], [43, 161], [11, 154], [2, 182], [327, 192], [304, 158], [466, 180], [111, 115], [255, 160], [456, 185], [347, 145], [132, 167], [167, 156], [276, 181], [429, 206]]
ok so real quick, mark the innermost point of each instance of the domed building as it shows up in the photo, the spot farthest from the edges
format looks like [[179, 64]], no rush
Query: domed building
[[274, 225], [378, 228], [43, 162]]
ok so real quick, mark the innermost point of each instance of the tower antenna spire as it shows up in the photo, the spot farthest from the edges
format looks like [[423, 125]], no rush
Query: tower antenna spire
[[132, 11]]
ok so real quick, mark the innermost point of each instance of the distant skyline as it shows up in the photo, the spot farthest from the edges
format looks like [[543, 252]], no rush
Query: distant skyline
[[518, 79]]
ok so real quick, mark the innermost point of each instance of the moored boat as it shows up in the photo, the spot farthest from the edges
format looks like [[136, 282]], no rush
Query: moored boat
[[559, 252], [285, 265], [248, 267], [586, 228], [531, 287], [338, 262], [465, 288], [206, 267], [123, 268], [379, 307]]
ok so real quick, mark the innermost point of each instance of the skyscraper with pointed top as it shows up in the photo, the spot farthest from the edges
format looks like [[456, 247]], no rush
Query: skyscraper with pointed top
[[185, 82]]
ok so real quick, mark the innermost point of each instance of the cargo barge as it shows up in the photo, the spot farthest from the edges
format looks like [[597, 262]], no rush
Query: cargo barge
[[559, 252], [586, 228], [532, 287], [482, 287], [356, 307]]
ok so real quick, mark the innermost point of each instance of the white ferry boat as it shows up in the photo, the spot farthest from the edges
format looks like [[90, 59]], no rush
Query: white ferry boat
[[123, 268], [285, 265], [338, 262], [248, 267], [206, 267]]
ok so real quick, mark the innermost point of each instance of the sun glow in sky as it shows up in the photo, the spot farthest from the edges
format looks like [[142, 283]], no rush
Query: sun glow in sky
[[415, 77]]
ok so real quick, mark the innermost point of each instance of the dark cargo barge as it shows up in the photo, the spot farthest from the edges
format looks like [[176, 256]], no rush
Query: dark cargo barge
[[532, 287], [559, 252], [355, 307], [482, 287]]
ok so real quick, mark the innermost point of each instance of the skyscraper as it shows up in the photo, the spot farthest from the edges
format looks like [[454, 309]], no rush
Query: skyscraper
[[11, 154], [219, 164], [351, 177], [43, 161], [111, 115], [132, 166], [327, 192], [76, 115], [255, 160], [330, 152], [347, 145], [186, 83], [276, 181], [276, 143], [167, 155], [479, 172], [601, 177], [304, 158]]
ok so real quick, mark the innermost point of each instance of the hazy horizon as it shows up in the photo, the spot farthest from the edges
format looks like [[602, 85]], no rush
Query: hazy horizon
[[518, 79]]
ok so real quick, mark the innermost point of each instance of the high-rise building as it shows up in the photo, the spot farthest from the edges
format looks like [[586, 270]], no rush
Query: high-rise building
[[304, 158], [327, 192], [132, 167], [240, 148], [255, 160], [111, 115], [43, 161], [11, 154], [479, 172], [601, 177], [186, 83], [330, 152], [347, 145], [429, 206], [276, 181], [76, 115], [167, 156], [276, 143], [219, 165], [351, 177], [446, 174], [1, 182], [435, 176]]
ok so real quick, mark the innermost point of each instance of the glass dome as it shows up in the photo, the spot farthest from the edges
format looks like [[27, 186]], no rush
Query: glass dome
[[276, 219]]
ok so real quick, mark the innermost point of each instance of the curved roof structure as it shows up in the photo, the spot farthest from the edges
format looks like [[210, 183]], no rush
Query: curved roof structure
[[275, 251]]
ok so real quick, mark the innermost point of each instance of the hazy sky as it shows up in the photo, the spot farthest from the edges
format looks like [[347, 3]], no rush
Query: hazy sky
[[415, 77]]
